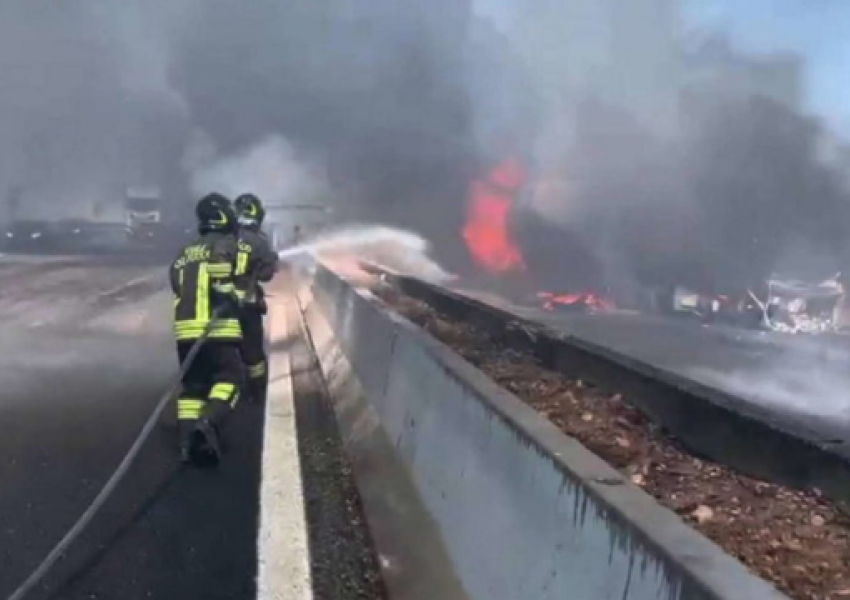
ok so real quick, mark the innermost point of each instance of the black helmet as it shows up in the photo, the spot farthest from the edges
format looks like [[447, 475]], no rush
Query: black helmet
[[214, 213], [250, 210]]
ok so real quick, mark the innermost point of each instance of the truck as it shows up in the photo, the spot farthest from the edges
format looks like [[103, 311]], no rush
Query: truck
[[143, 210], [156, 218], [48, 219]]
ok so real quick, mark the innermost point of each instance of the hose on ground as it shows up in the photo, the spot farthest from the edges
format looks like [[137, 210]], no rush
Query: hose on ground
[[42, 570]]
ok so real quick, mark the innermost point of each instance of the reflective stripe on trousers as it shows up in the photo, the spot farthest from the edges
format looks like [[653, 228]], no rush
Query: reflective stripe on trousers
[[190, 409], [258, 370], [225, 392]]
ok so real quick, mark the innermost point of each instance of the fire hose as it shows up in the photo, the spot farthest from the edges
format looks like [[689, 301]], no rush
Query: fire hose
[[41, 571]]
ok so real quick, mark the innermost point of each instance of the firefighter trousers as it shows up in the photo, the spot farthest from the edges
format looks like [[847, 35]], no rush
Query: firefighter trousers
[[254, 353], [212, 384]]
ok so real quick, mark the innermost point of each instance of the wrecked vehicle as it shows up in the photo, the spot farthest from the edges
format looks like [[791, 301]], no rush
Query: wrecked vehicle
[[781, 305], [736, 309], [582, 302], [799, 307], [740, 309]]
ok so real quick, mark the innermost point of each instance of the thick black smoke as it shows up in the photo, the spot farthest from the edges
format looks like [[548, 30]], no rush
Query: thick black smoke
[[372, 90], [102, 95], [761, 189], [697, 168], [77, 121], [741, 195]]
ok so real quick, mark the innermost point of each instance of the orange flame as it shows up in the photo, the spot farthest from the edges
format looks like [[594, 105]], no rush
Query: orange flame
[[487, 231]]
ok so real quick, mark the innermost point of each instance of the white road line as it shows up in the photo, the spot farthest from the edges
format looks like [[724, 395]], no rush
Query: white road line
[[283, 554]]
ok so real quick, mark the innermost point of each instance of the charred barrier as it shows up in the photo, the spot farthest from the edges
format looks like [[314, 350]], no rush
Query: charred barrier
[[519, 509]]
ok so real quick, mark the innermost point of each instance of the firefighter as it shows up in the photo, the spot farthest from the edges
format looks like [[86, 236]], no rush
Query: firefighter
[[256, 263], [206, 303]]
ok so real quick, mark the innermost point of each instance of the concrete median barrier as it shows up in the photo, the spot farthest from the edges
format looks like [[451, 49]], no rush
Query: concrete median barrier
[[753, 438], [471, 494]]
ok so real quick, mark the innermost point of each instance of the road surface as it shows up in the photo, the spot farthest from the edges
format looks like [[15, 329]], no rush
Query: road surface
[[86, 355]]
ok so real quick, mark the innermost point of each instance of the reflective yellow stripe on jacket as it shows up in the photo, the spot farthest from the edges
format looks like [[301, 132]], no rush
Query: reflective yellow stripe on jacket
[[242, 263], [218, 270], [202, 296], [221, 329]]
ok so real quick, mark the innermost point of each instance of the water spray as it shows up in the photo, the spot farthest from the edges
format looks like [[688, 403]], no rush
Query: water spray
[[402, 251]]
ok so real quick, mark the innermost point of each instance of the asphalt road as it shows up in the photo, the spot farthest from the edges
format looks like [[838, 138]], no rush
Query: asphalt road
[[86, 353]]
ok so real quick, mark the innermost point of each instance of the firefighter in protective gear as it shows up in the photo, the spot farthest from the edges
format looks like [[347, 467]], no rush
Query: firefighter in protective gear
[[206, 303], [256, 263]]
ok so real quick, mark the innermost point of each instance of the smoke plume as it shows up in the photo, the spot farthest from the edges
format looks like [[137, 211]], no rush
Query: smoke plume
[[113, 94], [372, 92], [667, 157], [81, 114]]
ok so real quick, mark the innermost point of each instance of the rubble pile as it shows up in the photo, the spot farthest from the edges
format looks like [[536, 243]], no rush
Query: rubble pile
[[803, 324]]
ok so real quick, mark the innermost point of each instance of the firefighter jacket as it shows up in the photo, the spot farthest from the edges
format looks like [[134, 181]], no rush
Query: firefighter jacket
[[256, 263], [202, 280]]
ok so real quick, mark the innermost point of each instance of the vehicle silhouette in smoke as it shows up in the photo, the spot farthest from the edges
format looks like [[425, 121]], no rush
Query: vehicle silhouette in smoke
[[682, 301], [155, 217], [141, 221], [144, 213]]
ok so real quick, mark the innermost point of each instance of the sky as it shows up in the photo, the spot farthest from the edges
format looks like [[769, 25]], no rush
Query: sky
[[817, 29]]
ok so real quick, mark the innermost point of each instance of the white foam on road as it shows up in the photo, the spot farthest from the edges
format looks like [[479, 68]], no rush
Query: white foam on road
[[283, 554]]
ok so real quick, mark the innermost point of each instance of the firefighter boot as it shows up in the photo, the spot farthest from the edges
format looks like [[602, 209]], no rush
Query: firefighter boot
[[258, 387], [207, 447], [204, 448], [257, 382], [262, 391]]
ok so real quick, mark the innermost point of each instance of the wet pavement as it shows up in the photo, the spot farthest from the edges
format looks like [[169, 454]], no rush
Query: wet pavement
[[86, 354]]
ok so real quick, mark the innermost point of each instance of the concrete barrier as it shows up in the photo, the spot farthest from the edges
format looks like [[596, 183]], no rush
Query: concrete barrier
[[753, 439], [518, 510]]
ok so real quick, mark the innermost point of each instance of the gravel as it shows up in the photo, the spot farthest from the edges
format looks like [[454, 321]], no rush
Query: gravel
[[344, 565]]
